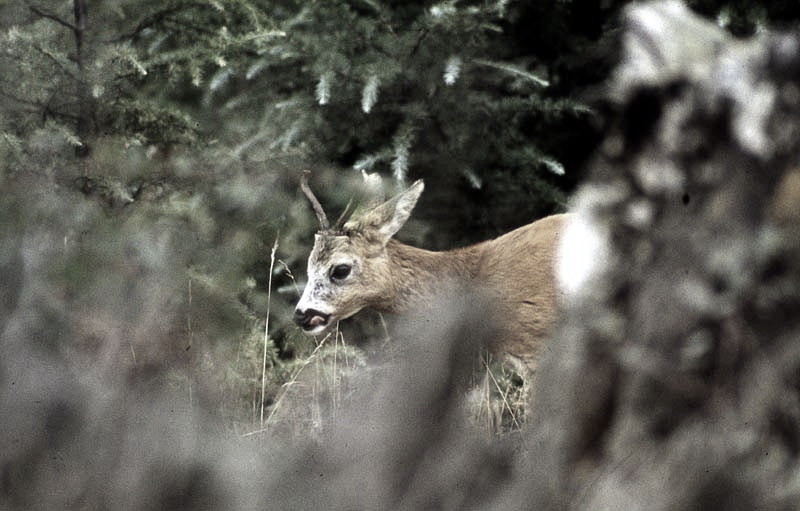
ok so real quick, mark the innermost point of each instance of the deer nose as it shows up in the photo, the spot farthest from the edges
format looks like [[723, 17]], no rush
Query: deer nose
[[310, 318]]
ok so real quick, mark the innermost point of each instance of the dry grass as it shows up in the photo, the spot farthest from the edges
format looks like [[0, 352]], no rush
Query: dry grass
[[498, 401], [314, 386]]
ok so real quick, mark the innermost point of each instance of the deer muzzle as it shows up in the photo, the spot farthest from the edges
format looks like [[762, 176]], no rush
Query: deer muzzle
[[311, 320]]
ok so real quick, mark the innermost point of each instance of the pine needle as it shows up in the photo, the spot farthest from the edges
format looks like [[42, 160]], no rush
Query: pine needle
[[514, 70]]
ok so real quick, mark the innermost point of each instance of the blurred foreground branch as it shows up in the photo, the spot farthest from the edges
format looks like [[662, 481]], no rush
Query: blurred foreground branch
[[674, 378]]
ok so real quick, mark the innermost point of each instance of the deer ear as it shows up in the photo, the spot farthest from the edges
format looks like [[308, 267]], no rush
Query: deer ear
[[383, 221]]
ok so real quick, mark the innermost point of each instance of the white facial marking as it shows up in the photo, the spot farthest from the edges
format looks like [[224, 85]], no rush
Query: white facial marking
[[315, 293]]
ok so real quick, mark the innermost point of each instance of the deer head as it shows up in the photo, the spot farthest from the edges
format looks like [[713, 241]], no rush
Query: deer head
[[348, 268]]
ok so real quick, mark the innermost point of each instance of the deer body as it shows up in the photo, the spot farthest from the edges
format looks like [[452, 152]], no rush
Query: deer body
[[362, 266]]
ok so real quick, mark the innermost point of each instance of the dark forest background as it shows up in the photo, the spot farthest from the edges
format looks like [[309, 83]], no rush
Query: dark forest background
[[152, 230]]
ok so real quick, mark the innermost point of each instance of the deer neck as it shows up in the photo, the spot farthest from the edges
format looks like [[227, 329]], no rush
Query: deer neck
[[417, 276]]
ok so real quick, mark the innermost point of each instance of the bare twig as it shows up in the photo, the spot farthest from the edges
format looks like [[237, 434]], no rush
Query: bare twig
[[149, 22], [51, 16]]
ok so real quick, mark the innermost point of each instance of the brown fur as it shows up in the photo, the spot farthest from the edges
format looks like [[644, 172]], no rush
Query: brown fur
[[513, 274]]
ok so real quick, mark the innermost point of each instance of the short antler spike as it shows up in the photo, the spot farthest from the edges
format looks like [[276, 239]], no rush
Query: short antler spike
[[323, 219]]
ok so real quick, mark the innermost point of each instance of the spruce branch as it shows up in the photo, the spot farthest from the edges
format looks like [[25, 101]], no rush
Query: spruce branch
[[37, 107], [513, 70], [452, 70], [195, 27], [369, 95], [149, 22], [324, 89], [51, 16], [51, 57], [78, 27]]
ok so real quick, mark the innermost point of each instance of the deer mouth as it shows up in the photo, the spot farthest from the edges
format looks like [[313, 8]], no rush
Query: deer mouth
[[312, 321]]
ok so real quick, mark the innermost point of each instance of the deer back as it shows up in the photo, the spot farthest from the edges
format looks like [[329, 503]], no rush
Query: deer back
[[518, 272]]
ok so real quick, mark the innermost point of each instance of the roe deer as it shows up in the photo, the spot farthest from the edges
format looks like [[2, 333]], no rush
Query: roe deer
[[361, 266]]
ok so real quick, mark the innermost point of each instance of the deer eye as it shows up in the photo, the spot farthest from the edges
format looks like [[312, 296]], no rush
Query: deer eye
[[340, 271]]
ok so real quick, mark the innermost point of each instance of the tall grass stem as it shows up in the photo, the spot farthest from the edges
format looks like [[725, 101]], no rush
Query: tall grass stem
[[266, 329]]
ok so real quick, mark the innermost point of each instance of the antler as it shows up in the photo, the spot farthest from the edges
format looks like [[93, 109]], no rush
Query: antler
[[323, 219]]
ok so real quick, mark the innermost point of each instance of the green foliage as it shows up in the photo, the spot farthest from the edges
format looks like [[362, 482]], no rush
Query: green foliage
[[77, 83], [416, 90]]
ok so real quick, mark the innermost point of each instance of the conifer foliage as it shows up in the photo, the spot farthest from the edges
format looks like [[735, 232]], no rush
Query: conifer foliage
[[410, 89], [190, 121], [407, 89]]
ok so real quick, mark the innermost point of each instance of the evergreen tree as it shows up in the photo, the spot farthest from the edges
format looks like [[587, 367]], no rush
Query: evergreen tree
[[412, 90], [74, 78]]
